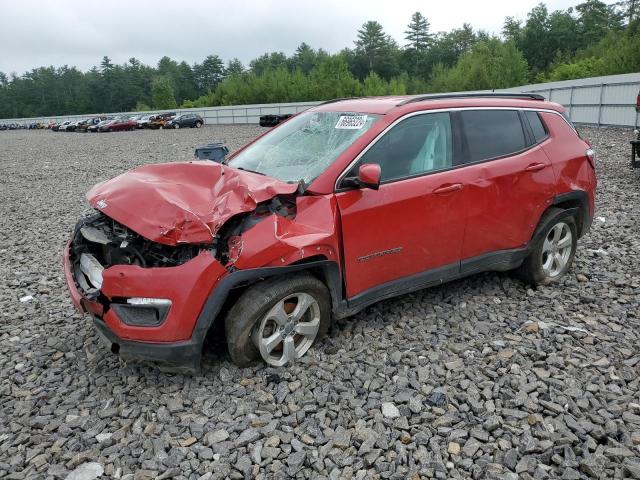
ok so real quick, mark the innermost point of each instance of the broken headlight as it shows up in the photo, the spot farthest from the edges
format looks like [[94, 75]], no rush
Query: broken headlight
[[100, 242]]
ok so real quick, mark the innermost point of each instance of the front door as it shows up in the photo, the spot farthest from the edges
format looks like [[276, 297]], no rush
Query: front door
[[415, 222]]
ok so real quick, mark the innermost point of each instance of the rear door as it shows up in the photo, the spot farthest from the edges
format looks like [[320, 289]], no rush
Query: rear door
[[415, 222], [510, 180]]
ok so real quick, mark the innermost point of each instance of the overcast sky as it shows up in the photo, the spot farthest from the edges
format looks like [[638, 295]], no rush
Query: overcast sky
[[79, 32]]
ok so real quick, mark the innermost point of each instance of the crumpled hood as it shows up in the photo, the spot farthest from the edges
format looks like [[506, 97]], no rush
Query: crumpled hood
[[183, 202]]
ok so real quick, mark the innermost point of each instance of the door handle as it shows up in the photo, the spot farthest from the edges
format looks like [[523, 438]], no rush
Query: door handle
[[448, 189], [534, 167]]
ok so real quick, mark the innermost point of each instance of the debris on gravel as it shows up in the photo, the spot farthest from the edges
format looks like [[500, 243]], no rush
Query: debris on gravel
[[480, 378]]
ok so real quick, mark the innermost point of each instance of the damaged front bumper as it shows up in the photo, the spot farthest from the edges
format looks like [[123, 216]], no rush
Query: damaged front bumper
[[131, 328]]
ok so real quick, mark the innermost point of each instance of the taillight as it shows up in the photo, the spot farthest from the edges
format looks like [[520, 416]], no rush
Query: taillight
[[591, 156], [638, 102]]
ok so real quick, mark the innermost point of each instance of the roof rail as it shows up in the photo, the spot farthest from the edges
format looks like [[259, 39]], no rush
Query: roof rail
[[438, 96], [333, 100]]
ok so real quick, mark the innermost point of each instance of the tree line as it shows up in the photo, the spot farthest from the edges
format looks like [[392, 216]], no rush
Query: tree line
[[590, 39]]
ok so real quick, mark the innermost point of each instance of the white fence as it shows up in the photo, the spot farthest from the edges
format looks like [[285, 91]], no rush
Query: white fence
[[606, 100], [242, 114]]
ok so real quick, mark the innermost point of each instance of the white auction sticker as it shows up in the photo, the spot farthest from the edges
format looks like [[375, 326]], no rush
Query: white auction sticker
[[351, 122]]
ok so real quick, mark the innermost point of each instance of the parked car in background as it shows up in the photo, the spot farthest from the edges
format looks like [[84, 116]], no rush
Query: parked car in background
[[73, 126], [191, 120], [119, 125], [160, 119], [63, 126], [98, 126], [143, 121], [85, 125]]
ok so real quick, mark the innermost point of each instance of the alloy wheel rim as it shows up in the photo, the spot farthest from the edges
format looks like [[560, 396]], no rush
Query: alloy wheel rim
[[288, 329], [556, 249]]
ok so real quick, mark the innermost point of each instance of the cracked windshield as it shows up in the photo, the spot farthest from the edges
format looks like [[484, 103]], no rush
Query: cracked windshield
[[305, 146]]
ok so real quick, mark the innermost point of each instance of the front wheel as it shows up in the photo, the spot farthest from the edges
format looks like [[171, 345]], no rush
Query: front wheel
[[176, 126], [553, 251], [278, 320]]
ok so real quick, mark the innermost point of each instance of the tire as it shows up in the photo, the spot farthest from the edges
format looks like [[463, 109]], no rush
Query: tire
[[198, 124], [252, 318], [176, 126], [556, 239]]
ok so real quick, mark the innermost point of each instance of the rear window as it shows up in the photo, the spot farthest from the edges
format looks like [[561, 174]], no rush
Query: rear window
[[539, 132], [492, 133], [568, 119]]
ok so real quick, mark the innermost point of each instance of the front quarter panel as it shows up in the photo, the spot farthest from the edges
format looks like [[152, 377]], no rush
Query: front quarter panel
[[277, 240]]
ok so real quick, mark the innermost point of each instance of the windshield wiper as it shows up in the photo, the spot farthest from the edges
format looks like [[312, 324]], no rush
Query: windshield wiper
[[252, 171]]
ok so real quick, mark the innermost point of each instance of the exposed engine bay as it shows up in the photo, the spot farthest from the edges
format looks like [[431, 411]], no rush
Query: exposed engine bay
[[114, 244], [99, 242]]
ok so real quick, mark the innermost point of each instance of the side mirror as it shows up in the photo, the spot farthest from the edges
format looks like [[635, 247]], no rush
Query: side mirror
[[369, 175]]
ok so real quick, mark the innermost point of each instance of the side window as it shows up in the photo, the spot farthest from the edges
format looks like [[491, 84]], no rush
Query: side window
[[417, 145], [537, 127], [492, 133]]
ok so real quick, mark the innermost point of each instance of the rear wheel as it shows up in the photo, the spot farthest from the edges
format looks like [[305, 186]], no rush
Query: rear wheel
[[198, 124], [553, 251], [278, 320]]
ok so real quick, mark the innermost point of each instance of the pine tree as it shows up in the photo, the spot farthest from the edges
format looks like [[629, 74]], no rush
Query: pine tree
[[417, 34], [234, 67], [106, 64], [371, 42], [419, 40]]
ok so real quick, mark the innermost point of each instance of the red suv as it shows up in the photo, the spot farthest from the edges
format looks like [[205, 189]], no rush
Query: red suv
[[349, 203]]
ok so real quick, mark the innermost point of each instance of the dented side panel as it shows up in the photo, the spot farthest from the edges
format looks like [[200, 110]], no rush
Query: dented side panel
[[279, 240]]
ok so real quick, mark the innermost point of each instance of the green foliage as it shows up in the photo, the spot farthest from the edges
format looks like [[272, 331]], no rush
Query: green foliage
[[373, 86], [418, 42], [586, 67], [142, 107], [268, 61], [491, 64], [234, 67], [371, 42], [596, 20], [618, 52], [209, 73], [162, 93], [594, 38], [332, 79]]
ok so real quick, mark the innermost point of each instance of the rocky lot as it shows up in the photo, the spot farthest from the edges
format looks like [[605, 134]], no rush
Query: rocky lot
[[481, 378]]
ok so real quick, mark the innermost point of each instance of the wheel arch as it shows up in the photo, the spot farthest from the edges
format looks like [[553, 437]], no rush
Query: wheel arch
[[231, 287], [576, 201]]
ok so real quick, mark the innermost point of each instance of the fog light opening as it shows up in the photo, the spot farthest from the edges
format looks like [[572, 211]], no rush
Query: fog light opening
[[165, 302]]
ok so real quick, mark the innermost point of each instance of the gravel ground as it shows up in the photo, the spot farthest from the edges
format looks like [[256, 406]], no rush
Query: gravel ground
[[481, 378]]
